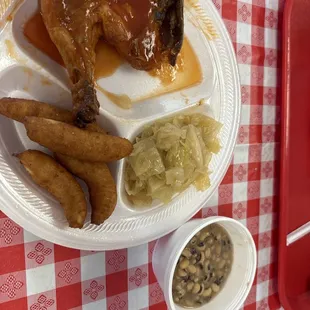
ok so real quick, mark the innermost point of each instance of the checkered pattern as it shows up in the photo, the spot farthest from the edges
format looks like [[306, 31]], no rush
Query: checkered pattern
[[37, 275]]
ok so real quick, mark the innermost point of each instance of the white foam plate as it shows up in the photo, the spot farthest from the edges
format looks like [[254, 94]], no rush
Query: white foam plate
[[23, 73]]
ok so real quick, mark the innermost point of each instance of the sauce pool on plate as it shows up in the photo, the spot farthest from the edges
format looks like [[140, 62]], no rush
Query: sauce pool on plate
[[35, 31]]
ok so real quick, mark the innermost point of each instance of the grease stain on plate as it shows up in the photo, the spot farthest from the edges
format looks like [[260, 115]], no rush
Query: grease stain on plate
[[10, 47], [199, 19]]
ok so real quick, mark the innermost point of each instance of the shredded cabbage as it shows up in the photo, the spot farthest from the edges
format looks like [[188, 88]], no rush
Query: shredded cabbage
[[169, 156]]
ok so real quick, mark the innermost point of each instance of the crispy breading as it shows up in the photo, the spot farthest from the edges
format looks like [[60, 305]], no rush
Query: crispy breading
[[50, 175], [17, 109], [101, 185], [77, 143]]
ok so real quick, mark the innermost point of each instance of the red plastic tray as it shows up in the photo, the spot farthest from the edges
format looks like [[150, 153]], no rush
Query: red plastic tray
[[294, 259]]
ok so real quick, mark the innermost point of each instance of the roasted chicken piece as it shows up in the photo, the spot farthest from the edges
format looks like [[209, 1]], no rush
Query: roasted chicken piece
[[145, 32]]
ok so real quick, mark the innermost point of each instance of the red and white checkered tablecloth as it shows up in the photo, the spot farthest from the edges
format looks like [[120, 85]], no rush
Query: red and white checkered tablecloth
[[38, 275]]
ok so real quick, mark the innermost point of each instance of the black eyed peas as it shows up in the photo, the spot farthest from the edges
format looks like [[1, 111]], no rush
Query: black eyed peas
[[203, 267]]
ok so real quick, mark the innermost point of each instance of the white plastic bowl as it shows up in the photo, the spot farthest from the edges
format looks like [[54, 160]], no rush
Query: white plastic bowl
[[237, 287]]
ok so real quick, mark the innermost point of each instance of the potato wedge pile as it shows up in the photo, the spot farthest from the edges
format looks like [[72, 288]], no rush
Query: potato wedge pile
[[77, 152]]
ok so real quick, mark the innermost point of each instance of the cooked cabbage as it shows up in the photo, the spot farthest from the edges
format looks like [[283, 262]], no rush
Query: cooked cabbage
[[145, 160], [169, 156], [175, 176], [167, 136]]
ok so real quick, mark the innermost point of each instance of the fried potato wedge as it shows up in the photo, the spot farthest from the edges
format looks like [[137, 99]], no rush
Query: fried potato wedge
[[17, 109], [101, 185], [50, 175], [77, 143]]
